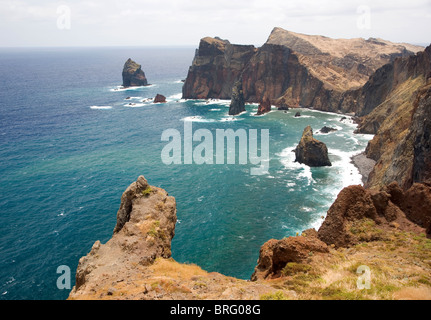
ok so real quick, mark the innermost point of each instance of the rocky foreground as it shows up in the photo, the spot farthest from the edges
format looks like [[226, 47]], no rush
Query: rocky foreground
[[386, 231]]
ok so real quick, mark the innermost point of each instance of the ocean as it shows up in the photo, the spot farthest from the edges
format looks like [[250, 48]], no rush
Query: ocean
[[71, 142]]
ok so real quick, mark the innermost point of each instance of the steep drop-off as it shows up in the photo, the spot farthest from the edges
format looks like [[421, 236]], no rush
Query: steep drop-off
[[400, 122], [216, 66], [290, 69]]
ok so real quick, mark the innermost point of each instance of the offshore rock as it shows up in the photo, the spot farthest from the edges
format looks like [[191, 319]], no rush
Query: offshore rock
[[133, 76], [237, 104], [312, 152], [160, 99], [264, 107]]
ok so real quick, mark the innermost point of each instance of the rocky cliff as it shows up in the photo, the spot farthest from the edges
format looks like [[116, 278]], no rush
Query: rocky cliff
[[133, 75], [290, 69], [217, 65], [399, 122]]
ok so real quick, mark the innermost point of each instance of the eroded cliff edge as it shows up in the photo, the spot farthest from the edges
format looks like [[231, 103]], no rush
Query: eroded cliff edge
[[384, 230], [290, 69]]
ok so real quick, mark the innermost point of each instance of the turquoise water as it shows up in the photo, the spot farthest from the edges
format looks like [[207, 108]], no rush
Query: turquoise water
[[70, 144]]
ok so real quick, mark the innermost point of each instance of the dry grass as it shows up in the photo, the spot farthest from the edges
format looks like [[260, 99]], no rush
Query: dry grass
[[169, 267]]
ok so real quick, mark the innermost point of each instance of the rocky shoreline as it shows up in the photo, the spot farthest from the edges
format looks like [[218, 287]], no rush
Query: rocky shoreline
[[365, 165]]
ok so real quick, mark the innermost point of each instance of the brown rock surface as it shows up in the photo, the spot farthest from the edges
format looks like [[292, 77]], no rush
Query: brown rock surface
[[310, 151], [275, 254], [145, 227], [216, 66], [264, 107], [360, 215], [133, 76], [291, 69], [237, 104], [160, 99]]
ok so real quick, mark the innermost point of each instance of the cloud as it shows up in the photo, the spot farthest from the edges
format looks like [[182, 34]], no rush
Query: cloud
[[155, 22]]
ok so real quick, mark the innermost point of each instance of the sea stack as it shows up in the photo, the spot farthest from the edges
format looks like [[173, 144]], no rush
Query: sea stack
[[237, 104], [264, 107], [133, 76], [312, 152]]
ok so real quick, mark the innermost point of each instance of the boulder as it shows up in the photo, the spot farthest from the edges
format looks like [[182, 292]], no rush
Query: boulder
[[312, 152], [326, 129], [160, 99]]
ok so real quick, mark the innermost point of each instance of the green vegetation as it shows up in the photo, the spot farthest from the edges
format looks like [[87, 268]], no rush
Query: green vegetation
[[293, 268], [278, 295], [147, 191]]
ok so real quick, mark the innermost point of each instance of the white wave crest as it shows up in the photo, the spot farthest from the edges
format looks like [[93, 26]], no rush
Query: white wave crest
[[100, 107]]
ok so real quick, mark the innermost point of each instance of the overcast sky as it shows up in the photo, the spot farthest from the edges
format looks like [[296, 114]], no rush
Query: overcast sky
[[184, 22]]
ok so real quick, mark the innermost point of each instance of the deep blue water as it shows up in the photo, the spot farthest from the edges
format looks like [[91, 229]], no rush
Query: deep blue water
[[70, 145]]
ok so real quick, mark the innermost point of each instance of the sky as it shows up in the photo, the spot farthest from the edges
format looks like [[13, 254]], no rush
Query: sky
[[46, 23]]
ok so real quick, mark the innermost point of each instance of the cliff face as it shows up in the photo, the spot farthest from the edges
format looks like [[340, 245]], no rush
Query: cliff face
[[386, 83], [216, 66], [290, 69], [133, 76], [400, 122]]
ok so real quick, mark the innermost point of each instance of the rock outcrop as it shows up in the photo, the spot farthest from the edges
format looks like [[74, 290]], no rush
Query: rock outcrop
[[310, 151], [275, 254], [237, 104], [159, 99], [145, 227], [346, 223], [357, 216], [290, 69], [264, 107], [133, 75]]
